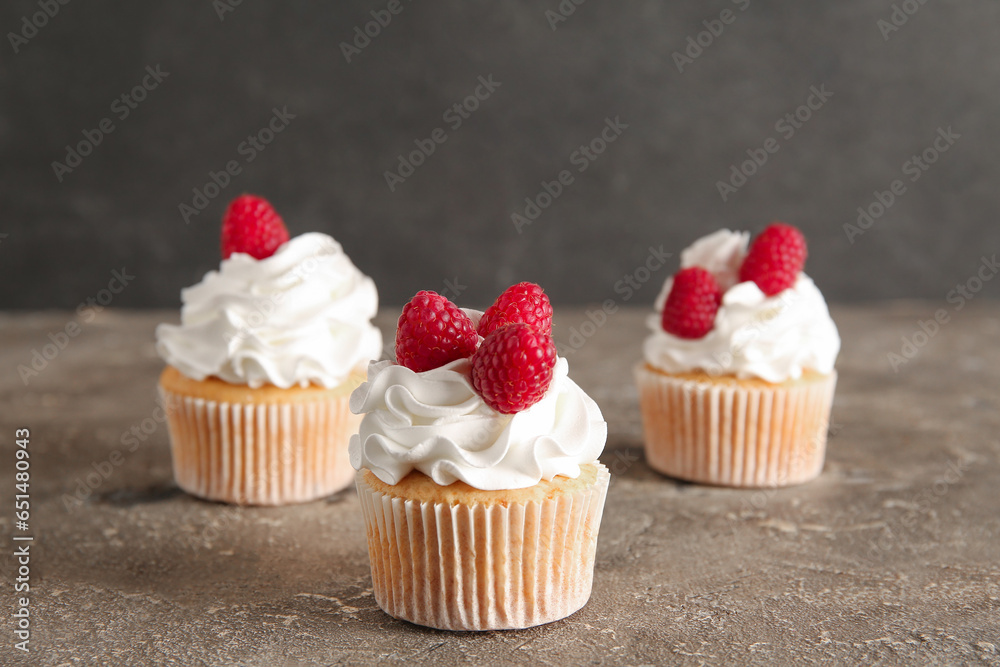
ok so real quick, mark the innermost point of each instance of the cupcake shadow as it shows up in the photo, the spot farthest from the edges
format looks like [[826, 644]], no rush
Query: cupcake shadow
[[160, 541], [132, 497]]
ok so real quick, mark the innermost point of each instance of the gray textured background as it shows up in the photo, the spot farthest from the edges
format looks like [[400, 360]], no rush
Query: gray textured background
[[655, 185]]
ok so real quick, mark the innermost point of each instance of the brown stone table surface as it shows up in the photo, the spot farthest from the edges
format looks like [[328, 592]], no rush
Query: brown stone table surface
[[892, 556]]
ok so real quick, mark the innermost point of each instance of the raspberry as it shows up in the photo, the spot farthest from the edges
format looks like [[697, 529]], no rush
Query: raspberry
[[431, 332], [775, 259], [250, 225], [512, 369], [523, 302], [694, 299]]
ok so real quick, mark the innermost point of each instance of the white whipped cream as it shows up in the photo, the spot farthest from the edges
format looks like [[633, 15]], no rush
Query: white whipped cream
[[299, 317], [436, 423], [772, 338]]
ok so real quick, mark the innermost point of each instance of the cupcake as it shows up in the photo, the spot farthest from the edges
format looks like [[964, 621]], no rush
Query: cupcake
[[260, 371], [478, 475], [738, 378]]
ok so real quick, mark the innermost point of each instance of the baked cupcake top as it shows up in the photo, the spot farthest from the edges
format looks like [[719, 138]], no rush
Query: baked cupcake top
[[481, 398], [280, 312], [743, 310]]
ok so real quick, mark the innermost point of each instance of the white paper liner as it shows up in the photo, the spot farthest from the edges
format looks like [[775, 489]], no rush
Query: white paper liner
[[732, 434], [260, 454], [483, 567]]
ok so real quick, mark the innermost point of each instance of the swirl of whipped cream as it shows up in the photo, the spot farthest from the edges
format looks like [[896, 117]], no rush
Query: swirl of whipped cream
[[772, 338], [436, 423], [299, 317]]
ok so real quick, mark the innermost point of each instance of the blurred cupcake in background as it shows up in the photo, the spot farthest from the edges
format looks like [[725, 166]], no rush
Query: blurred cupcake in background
[[260, 370], [738, 379]]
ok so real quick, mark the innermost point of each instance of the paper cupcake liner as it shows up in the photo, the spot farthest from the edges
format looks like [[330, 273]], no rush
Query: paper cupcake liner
[[734, 434], [260, 453], [483, 567]]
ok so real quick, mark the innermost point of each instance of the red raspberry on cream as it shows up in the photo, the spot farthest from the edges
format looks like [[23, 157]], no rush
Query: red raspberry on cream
[[512, 369], [251, 225]]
